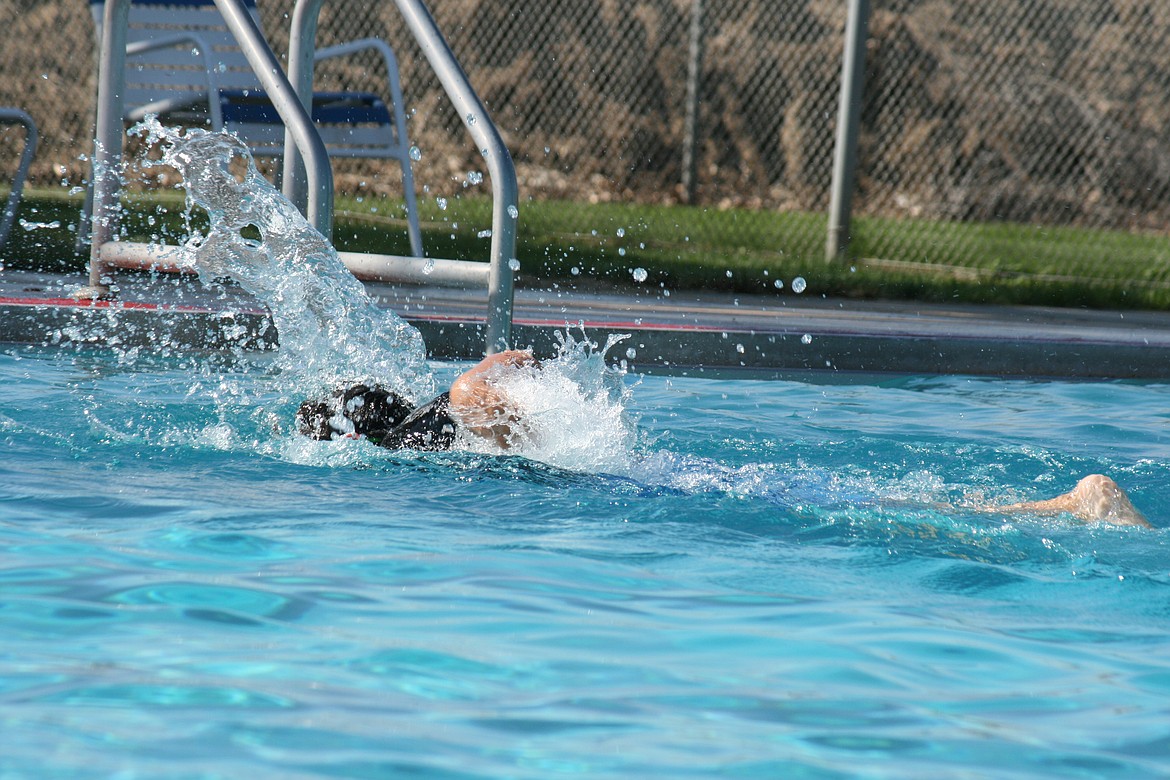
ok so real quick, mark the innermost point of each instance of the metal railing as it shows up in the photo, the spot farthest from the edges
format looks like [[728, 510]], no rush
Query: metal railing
[[307, 158]]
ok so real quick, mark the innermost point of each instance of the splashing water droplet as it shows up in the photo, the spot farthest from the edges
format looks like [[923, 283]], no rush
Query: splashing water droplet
[[639, 274], [415, 153], [806, 339], [484, 234], [513, 212], [575, 271], [631, 353], [30, 225], [778, 284], [471, 119], [621, 232], [739, 348], [441, 203], [429, 266], [474, 177], [514, 264], [799, 285]]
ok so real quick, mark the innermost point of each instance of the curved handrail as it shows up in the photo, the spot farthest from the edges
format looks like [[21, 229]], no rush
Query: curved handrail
[[505, 192], [301, 45], [107, 143]]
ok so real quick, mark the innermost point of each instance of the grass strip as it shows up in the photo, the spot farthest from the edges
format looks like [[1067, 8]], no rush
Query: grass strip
[[637, 246]]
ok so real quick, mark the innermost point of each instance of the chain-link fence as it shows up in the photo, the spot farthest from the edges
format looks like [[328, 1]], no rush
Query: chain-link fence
[[1049, 112], [1054, 113], [591, 96]]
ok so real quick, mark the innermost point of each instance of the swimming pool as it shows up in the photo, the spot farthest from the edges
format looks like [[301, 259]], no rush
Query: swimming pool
[[770, 587], [678, 577]]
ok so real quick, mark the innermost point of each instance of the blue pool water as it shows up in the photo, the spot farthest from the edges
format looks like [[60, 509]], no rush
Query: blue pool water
[[677, 577], [764, 580]]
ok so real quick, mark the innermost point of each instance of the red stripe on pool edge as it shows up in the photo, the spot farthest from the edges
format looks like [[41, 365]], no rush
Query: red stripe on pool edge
[[72, 303], [621, 324]]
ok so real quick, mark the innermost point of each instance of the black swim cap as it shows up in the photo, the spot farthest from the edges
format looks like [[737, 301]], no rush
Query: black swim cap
[[358, 409]]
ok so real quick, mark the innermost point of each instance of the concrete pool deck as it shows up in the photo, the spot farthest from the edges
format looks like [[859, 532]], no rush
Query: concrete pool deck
[[686, 333]]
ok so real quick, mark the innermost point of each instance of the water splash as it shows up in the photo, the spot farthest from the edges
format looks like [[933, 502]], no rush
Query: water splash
[[329, 328], [574, 410], [330, 331]]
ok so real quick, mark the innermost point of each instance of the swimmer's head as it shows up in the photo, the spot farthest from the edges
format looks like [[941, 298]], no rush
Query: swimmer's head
[[355, 410]]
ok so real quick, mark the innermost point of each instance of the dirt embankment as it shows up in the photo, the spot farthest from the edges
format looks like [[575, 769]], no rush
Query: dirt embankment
[[1046, 110]]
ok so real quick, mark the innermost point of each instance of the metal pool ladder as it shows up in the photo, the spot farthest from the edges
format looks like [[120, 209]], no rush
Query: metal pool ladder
[[308, 176]]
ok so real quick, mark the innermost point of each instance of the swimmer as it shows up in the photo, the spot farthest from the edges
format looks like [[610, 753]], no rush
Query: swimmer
[[475, 403], [478, 404]]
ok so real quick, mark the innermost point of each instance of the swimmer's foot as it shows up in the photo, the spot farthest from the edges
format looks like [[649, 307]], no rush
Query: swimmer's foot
[[1095, 499]]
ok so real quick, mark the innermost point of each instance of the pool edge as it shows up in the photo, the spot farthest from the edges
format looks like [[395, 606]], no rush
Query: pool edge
[[684, 334]]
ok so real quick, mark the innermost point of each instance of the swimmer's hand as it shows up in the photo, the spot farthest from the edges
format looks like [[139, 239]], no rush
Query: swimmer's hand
[[481, 405]]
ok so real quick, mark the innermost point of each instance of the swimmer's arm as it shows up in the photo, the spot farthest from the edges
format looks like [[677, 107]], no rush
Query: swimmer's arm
[[1095, 499], [480, 405]]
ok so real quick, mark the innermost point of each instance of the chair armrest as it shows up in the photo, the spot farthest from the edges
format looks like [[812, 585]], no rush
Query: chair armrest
[[353, 47], [14, 116], [388, 58], [400, 150]]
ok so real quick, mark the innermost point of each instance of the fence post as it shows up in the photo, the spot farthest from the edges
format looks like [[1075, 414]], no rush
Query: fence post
[[848, 124], [694, 87]]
